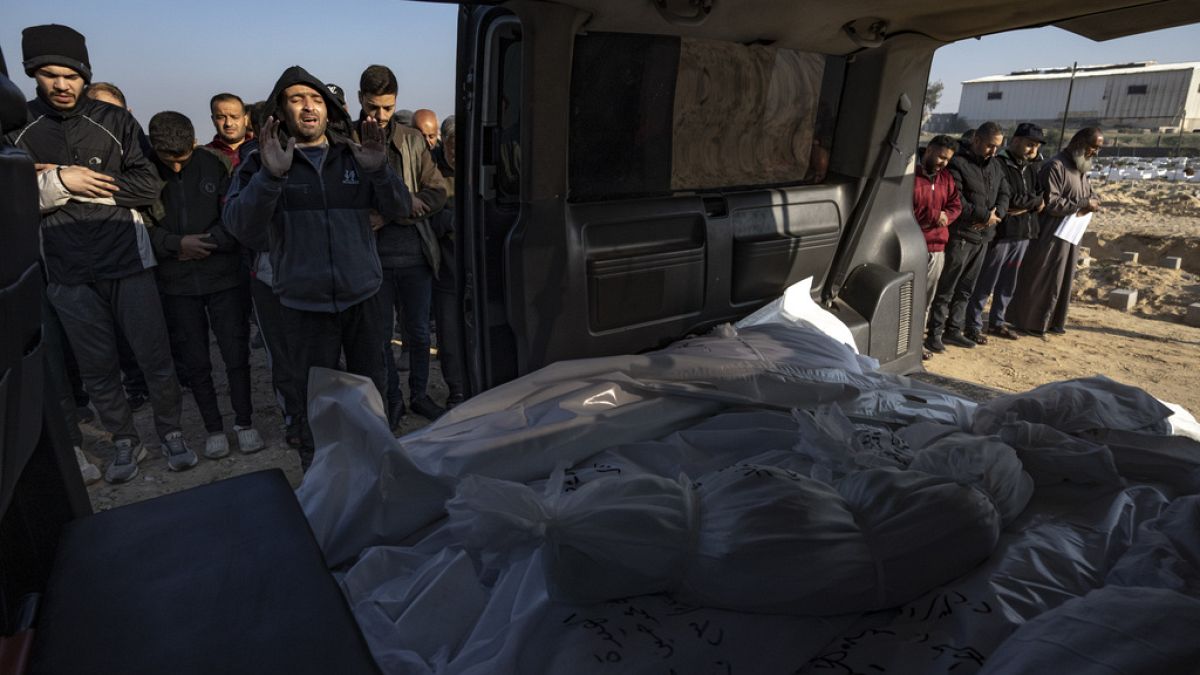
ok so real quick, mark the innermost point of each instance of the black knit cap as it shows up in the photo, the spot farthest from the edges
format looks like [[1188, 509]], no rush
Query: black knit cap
[[55, 45]]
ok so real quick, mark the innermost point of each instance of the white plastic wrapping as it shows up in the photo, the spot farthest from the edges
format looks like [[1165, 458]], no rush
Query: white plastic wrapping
[[796, 306], [757, 537], [697, 409], [1077, 405]]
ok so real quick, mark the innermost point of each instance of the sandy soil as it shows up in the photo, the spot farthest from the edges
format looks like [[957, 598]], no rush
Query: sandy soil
[[1158, 356], [1149, 347], [155, 479]]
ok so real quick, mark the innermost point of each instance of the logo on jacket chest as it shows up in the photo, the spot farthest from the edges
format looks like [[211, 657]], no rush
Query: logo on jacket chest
[[350, 177], [209, 187]]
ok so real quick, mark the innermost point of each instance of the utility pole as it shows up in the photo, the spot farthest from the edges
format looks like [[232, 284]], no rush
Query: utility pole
[[1062, 132]]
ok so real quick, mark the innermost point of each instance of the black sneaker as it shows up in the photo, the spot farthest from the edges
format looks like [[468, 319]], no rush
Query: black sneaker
[[958, 340], [934, 344], [1057, 331], [177, 453], [124, 467], [453, 400], [137, 401], [425, 407]]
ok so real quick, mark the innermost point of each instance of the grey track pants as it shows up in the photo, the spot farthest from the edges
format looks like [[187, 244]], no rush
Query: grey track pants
[[89, 315]]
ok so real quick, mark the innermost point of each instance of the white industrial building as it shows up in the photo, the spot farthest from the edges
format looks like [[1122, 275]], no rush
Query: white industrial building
[[1143, 95]]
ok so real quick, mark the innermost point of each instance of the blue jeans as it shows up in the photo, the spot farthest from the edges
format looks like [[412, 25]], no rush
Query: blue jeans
[[998, 278], [410, 289]]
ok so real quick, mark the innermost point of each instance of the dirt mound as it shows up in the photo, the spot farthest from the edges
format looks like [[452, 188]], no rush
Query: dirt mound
[[1151, 249], [1150, 198], [1162, 293]]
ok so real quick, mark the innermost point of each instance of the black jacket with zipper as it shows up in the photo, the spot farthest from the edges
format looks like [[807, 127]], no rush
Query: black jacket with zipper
[[314, 220], [191, 201], [83, 242], [981, 188], [1024, 195]]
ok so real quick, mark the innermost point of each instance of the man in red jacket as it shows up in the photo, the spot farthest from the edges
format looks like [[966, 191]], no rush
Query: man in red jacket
[[935, 205], [231, 121]]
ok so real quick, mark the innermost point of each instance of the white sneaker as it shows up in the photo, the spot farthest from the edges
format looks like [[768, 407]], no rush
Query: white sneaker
[[90, 473], [249, 439], [216, 446]]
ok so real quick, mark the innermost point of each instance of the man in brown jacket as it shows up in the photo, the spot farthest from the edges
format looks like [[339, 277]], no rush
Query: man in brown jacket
[[408, 248], [1039, 305]]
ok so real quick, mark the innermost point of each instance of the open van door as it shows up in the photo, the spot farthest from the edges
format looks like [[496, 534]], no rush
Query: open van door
[[617, 191], [628, 175]]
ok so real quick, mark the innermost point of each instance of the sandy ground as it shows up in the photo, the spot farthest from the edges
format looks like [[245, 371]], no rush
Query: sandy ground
[[155, 479], [1158, 356], [1150, 347]]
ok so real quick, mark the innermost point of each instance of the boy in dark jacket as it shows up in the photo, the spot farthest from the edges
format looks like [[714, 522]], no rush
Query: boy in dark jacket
[[201, 277], [307, 197], [998, 278]]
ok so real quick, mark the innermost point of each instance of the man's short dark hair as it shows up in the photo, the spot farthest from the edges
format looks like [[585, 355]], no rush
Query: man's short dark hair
[[1084, 136], [172, 133], [378, 81], [258, 115], [989, 130], [224, 97], [109, 88], [943, 141]]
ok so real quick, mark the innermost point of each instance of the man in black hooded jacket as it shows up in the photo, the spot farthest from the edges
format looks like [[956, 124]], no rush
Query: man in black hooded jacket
[[97, 252], [308, 203]]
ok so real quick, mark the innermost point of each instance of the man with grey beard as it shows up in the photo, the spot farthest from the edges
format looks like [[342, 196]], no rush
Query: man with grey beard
[[1039, 305]]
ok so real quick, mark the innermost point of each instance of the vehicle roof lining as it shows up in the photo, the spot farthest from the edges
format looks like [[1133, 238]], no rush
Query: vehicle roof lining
[[818, 26]]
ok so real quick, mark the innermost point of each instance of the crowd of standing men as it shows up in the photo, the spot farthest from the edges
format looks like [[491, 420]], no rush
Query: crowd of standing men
[[992, 214], [322, 228]]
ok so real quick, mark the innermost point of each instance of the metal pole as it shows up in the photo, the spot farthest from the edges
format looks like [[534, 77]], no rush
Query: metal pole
[[1062, 132]]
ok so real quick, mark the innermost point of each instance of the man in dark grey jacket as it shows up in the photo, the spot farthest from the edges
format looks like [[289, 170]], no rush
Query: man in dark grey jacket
[[97, 252], [308, 203], [1002, 264]]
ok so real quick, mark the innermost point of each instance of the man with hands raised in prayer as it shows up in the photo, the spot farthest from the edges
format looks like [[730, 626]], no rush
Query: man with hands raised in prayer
[[307, 202]]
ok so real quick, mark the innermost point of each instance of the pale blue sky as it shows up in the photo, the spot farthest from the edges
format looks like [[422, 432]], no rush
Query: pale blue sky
[[175, 57]]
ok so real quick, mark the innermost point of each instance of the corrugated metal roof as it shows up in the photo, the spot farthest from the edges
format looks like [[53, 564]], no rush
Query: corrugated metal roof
[[1094, 72]]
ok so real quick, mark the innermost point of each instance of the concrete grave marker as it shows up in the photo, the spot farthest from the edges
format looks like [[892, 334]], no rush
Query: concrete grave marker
[[1123, 299]]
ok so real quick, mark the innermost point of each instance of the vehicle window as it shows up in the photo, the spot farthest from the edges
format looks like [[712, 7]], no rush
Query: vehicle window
[[655, 115]]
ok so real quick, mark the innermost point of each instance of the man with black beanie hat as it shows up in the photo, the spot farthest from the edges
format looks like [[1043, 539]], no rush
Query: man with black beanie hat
[[306, 196], [96, 249], [55, 45]]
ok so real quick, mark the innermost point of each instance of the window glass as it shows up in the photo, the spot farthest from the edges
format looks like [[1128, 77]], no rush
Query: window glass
[[654, 115]]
